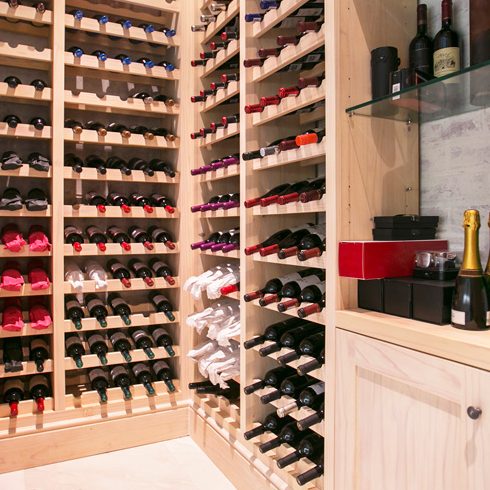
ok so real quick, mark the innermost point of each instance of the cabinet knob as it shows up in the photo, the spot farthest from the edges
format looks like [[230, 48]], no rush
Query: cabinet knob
[[474, 412]]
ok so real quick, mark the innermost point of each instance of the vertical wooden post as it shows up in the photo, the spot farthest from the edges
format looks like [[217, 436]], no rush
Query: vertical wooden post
[[57, 197]]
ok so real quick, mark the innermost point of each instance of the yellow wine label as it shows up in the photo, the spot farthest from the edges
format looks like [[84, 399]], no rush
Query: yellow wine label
[[446, 61]]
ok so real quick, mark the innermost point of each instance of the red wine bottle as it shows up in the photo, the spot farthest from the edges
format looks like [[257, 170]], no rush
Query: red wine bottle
[[232, 392], [75, 349], [272, 378], [38, 352], [275, 192], [447, 57], [120, 307], [162, 270], [97, 236], [312, 394], [118, 163], [117, 235], [309, 366], [141, 236], [310, 137], [163, 339], [139, 164], [306, 311], [39, 390], [12, 82], [75, 126], [311, 245], [161, 201], [99, 381], [273, 332], [119, 271], [97, 309], [162, 305], [137, 199], [311, 447], [94, 199], [144, 131], [98, 346], [13, 394], [74, 311], [300, 188], [142, 271], [96, 162], [120, 377], [272, 423], [142, 374], [291, 338], [421, 47], [143, 341], [115, 199], [290, 434], [160, 166], [163, 373], [12, 121], [227, 241], [120, 342], [291, 240], [311, 292], [74, 236], [159, 235], [274, 239], [310, 474], [312, 419]]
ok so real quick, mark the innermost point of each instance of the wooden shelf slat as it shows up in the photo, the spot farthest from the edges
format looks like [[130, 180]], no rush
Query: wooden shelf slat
[[115, 175], [113, 29], [90, 249], [23, 213], [25, 52], [26, 290], [170, 6], [221, 58], [221, 173], [291, 208], [27, 331], [112, 138], [25, 92], [29, 368], [26, 408], [26, 172], [112, 104], [221, 134], [25, 13], [307, 154], [115, 66], [318, 262], [137, 284], [221, 20], [137, 320], [84, 211], [138, 355], [212, 102], [316, 317], [25, 131], [289, 54], [308, 96], [274, 16]]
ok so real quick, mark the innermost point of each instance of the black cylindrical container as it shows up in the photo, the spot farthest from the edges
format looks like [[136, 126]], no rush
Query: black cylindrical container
[[384, 60]]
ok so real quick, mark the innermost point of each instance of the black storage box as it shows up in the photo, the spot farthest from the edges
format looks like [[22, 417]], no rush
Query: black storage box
[[406, 221], [431, 301], [398, 296], [370, 294], [386, 234]]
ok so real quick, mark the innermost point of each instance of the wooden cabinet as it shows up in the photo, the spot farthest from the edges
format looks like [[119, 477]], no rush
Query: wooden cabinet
[[401, 419]]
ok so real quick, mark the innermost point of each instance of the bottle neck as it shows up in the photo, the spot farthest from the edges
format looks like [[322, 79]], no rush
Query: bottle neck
[[471, 258], [422, 28]]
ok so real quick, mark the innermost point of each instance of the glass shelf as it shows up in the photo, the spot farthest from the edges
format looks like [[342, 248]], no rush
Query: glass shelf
[[459, 93]]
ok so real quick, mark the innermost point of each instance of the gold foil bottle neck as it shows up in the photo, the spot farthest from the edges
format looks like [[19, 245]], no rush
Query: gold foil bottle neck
[[472, 219]]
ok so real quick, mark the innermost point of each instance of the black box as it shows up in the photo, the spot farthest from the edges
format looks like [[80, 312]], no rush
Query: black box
[[432, 301], [398, 296], [406, 221], [370, 294], [387, 234]]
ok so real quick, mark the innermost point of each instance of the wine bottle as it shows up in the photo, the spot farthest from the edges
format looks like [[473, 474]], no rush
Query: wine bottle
[[119, 128], [118, 236], [98, 346], [143, 130], [312, 394], [12, 121], [143, 375], [139, 164], [310, 137], [13, 355], [97, 236], [12, 82], [296, 404], [162, 305], [162, 270], [167, 65], [39, 84], [312, 293], [487, 268], [76, 51], [140, 236], [309, 366], [290, 434], [142, 271], [310, 474], [120, 307], [312, 419], [95, 199], [421, 46], [447, 57], [120, 377], [163, 339], [119, 271], [126, 23], [274, 239], [103, 19], [13, 394], [161, 201], [118, 163], [306, 311], [168, 31], [99, 381], [143, 341], [96, 126], [144, 96], [292, 338], [74, 236], [273, 332], [168, 101], [299, 188], [272, 423], [471, 306], [160, 166], [311, 245], [314, 194], [311, 447], [75, 349], [146, 62], [276, 191], [96, 309], [39, 390], [100, 55], [159, 235], [163, 373], [293, 239], [77, 14], [120, 342], [148, 28], [116, 199], [74, 311], [291, 386], [96, 162], [232, 392], [137, 199], [272, 378], [38, 352]]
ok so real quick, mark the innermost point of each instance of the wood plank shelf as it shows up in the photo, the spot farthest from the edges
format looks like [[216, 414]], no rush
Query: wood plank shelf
[[115, 175], [26, 290], [317, 373], [171, 7], [26, 172], [221, 58], [300, 414], [137, 284], [289, 54], [112, 104], [115, 66], [29, 14], [137, 355], [220, 213], [308, 96], [84, 211], [25, 92], [222, 19], [137, 320], [225, 413], [291, 208], [444, 341], [163, 7], [27, 408], [234, 254], [212, 102], [112, 138], [305, 155], [16, 56], [27, 331], [318, 262], [221, 173], [28, 369], [113, 29], [275, 16], [90, 249], [23, 213], [25, 131], [316, 317], [221, 134]]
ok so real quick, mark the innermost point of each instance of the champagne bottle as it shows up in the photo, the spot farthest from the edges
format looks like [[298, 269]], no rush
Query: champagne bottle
[[13, 394], [98, 346], [99, 381], [163, 373], [120, 307], [39, 390], [143, 375], [96, 309], [75, 349], [471, 306], [163, 339], [447, 57], [38, 352], [74, 311], [120, 377], [120, 342]]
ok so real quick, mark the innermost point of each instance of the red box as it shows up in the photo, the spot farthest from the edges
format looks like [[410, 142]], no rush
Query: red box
[[378, 260]]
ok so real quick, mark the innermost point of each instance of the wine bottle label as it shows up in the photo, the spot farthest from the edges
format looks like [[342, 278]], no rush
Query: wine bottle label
[[458, 317], [308, 281], [446, 61], [117, 267], [94, 303], [13, 383], [38, 344], [116, 302], [310, 12], [318, 388], [72, 304], [294, 277], [72, 229]]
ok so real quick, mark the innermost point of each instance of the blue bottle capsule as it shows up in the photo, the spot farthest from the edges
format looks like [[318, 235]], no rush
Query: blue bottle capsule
[[77, 14]]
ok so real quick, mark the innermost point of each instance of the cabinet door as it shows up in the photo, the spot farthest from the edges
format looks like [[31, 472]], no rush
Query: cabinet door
[[400, 418]]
